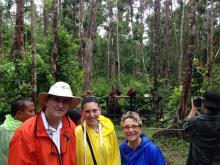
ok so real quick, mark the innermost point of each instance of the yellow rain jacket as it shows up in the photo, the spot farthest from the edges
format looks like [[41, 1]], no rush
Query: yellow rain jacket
[[110, 149]]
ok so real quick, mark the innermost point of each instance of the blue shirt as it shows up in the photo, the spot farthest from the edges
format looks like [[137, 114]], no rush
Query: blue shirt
[[147, 153]]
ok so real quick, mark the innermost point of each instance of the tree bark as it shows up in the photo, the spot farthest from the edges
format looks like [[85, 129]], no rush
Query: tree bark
[[166, 68], [89, 47], [142, 8], [54, 52], [18, 47], [46, 20], [156, 49], [81, 52], [211, 53], [180, 65], [118, 54], [110, 54], [188, 75], [33, 45], [1, 25]]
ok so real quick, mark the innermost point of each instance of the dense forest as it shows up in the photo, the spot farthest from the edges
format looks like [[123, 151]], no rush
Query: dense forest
[[167, 51]]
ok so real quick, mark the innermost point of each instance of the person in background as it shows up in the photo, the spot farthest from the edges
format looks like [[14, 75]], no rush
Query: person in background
[[137, 149], [96, 141], [113, 106], [48, 138], [21, 110], [204, 129], [74, 115]]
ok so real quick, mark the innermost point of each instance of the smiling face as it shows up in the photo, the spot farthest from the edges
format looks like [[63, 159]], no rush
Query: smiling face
[[131, 130], [56, 107], [90, 114]]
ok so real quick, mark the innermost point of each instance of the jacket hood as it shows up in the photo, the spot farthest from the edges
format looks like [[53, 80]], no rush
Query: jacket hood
[[10, 123], [107, 125], [131, 155]]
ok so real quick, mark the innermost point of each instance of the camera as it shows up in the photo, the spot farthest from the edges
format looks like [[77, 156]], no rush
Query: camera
[[197, 102]]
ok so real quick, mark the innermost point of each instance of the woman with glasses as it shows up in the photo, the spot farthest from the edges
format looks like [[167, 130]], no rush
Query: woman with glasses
[[96, 141], [137, 149]]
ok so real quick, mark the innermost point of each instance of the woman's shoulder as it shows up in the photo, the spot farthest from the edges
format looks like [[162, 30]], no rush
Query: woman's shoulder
[[146, 142]]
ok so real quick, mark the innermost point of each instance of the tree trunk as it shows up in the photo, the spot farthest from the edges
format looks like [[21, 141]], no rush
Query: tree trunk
[[211, 53], [46, 19], [54, 53], [81, 52], [156, 49], [180, 67], [1, 29], [110, 55], [33, 44], [168, 41], [89, 47], [142, 8], [131, 12], [18, 47], [59, 11], [118, 55], [188, 75]]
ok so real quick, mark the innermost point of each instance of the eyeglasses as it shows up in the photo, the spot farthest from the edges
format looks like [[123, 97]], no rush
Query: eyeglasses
[[134, 127]]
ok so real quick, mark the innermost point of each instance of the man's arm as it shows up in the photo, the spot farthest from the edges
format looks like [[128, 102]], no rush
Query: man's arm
[[188, 121], [19, 154], [192, 112]]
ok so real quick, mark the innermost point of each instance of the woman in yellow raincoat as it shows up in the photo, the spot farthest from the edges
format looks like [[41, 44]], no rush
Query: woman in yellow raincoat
[[96, 141]]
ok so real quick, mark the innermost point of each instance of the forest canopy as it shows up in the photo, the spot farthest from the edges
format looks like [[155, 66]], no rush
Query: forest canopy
[[168, 49]]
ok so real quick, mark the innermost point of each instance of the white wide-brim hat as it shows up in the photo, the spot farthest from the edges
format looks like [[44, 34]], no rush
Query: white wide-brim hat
[[60, 89]]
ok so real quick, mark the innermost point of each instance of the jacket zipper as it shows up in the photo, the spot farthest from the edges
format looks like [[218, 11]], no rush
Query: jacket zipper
[[59, 156]]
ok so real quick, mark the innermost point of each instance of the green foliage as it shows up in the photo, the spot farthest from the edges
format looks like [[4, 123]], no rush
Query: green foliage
[[100, 87], [198, 74], [174, 98], [170, 104], [68, 66], [70, 10], [174, 150], [215, 81], [100, 54], [142, 86], [17, 80]]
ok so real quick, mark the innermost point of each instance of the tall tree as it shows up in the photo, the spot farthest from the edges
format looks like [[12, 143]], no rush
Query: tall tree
[[155, 58], [211, 38], [142, 9], [166, 70], [188, 75], [18, 46], [54, 52], [1, 25], [180, 65], [81, 51], [110, 33], [89, 47], [33, 46], [118, 55], [45, 18]]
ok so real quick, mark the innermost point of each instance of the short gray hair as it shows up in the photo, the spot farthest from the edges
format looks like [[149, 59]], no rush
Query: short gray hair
[[131, 115]]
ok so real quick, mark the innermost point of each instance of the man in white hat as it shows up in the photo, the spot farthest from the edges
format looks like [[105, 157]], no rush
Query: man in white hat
[[48, 138]]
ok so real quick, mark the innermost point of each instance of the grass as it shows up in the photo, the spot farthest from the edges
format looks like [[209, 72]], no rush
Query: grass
[[174, 150]]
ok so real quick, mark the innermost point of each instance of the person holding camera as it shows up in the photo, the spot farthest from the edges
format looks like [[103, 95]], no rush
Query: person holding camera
[[204, 128]]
